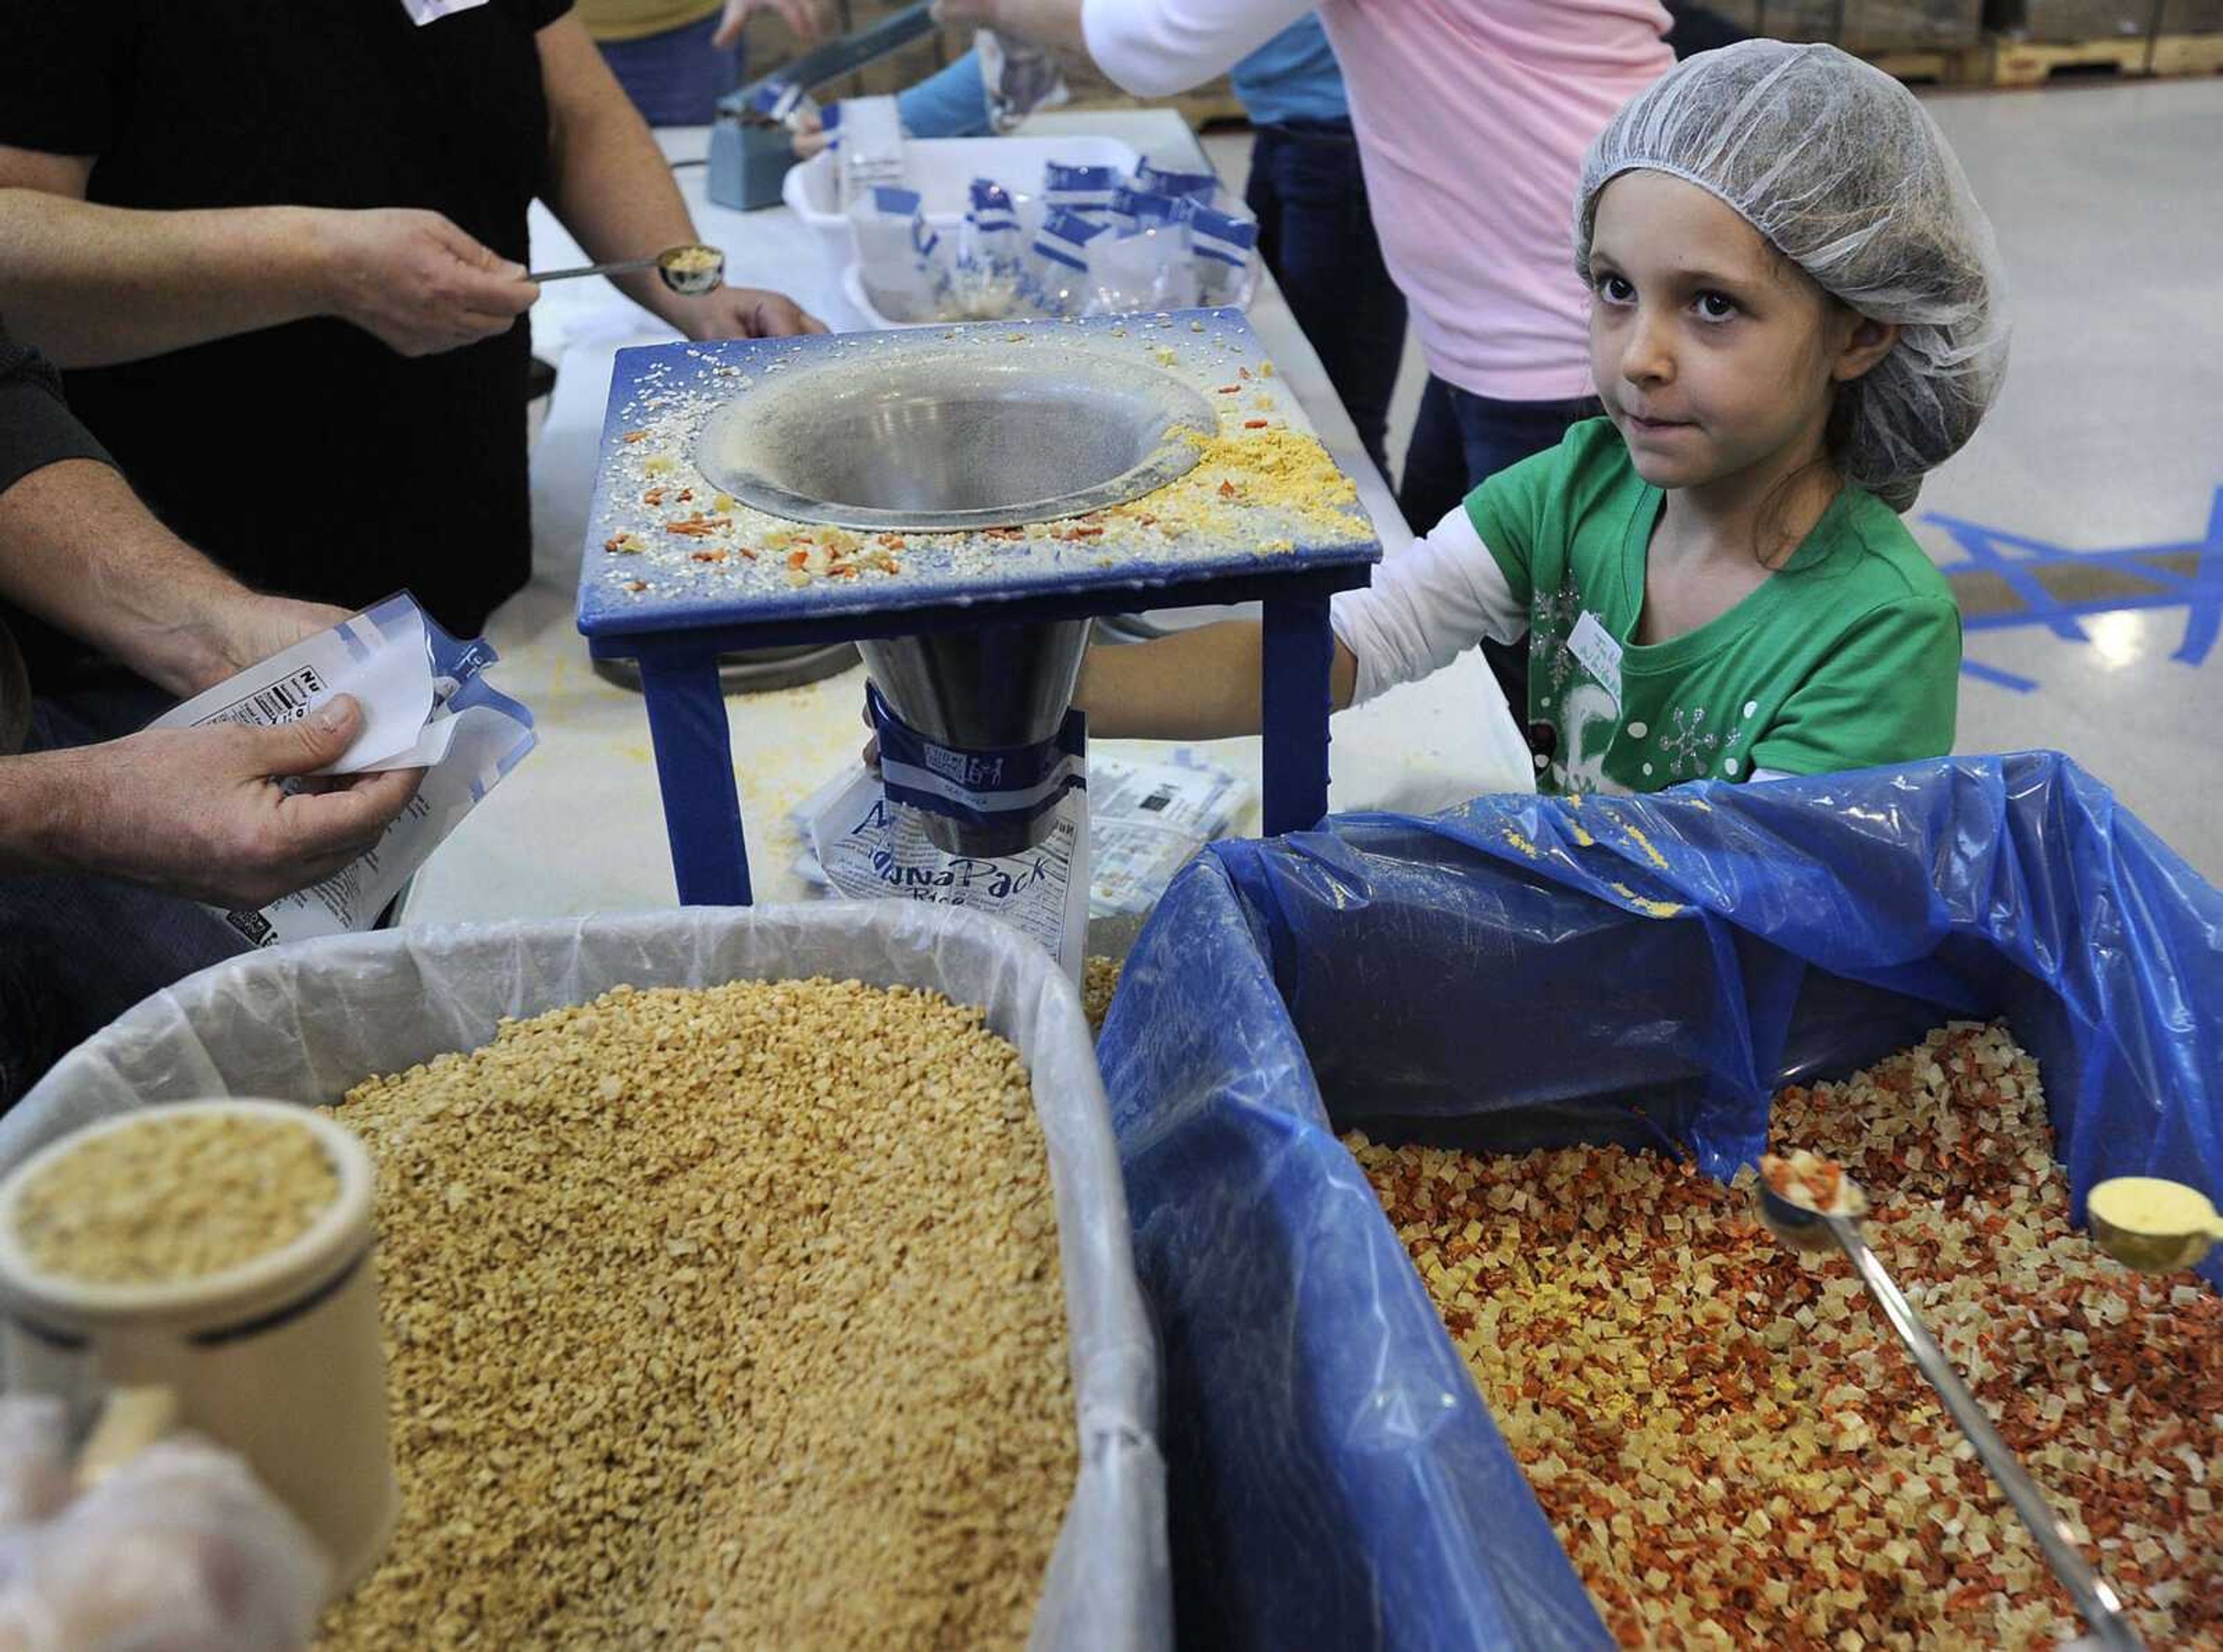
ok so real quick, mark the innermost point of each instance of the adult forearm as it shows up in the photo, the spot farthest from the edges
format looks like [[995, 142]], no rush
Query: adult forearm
[[92, 285], [37, 794], [1194, 685], [614, 187], [618, 202], [79, 551]]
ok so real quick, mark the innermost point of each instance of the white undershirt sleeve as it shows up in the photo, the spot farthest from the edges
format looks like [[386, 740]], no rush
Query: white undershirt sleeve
[[1154, 48], [1439, 596]]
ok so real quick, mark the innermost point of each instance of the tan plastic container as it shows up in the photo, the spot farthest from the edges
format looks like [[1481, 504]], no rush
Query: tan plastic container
[[278, 1360]]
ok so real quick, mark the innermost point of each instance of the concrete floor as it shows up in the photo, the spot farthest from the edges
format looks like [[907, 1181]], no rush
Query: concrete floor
[[2083, 526]]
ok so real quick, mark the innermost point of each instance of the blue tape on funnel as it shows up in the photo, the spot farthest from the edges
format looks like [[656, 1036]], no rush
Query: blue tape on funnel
[[1000, 785]]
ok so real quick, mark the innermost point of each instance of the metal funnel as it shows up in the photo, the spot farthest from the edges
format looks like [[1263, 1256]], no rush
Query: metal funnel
[[946, 441], [997, 686]]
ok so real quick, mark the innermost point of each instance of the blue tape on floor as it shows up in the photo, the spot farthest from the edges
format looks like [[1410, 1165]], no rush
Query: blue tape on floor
[[2020, 559]]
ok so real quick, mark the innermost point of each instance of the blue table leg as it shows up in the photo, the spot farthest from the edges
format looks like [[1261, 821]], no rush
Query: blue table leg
[[1294, 702], [695, 767]]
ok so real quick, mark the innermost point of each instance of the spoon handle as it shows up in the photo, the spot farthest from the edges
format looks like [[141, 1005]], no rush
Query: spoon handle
[[2102, 1611], [623, 266]]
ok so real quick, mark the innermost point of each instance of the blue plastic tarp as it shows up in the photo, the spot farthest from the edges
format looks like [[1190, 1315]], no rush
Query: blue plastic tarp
[[1526, 971]]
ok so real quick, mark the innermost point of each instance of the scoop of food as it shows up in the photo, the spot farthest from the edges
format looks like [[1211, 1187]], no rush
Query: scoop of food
[[2152, 1224], [1796, 1189], [689, 270]]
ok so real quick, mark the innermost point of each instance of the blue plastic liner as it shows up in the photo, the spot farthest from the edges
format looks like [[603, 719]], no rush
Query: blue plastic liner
[[1523, 972]]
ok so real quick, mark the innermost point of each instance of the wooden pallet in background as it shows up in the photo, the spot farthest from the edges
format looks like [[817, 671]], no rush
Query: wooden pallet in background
[[2032, 63], [2187, 55], [1920, 67]]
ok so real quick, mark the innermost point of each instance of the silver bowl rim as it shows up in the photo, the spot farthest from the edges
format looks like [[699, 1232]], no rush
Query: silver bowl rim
[[1185, 404]]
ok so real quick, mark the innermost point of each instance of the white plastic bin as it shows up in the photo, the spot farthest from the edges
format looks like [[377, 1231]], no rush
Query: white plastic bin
[[308, 1022]]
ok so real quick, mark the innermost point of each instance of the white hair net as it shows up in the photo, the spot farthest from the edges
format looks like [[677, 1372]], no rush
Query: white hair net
[[1845, 173]]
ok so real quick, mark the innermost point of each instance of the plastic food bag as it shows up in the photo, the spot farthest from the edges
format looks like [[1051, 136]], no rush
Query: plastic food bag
[[307, 1022], [426, 704], [1144, 263], [904, 264], [1058, 271], [872, 154], [1222, 248], [1524, 972], [991, 268], [1079, 189], [1175, 186]]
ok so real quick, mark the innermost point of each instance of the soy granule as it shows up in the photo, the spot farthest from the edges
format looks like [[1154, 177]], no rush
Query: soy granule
[[1730, 1443], [719, 1319], [171, 1198], [1099, 981]]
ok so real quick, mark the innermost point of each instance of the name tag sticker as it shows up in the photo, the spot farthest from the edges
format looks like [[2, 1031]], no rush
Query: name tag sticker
[[1591, 643], [422, 12]]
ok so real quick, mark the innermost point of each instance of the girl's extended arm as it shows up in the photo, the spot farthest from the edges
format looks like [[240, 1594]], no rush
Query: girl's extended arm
[[1195, 685]]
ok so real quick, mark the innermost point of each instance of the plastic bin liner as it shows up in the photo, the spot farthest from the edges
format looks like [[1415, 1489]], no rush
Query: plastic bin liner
[[1523, 972], [307, 1022]]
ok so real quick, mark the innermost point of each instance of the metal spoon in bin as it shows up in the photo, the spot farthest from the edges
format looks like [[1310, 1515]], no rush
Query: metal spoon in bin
[[1804, 1227], [689, 270], [2152, 1224]]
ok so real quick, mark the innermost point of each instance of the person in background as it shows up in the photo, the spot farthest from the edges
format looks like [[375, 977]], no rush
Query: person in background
[[106, 846], [985, 92], [1795, 315], [1316, 223], [1461, 439], [278, 251], [676, 58]]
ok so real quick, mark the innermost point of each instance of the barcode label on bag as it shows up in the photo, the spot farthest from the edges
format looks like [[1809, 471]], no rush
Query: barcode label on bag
[[286, 701]]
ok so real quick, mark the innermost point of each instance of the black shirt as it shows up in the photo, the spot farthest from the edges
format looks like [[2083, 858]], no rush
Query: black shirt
[[309, 459], [35, 430]]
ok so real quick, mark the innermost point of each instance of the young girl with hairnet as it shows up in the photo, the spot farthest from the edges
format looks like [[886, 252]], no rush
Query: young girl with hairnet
[[1795, 315]]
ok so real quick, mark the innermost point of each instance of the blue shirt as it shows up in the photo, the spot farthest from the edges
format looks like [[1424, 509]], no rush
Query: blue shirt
[[1293, 77], [952, 102]]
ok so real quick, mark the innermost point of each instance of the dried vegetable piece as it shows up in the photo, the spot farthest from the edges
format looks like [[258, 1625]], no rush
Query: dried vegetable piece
[[719, 1319], [1812, 1183], [1730, 1443]]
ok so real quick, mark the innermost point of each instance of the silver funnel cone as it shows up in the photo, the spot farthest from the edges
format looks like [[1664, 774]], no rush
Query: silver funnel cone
[[946, 441], [997, 686]]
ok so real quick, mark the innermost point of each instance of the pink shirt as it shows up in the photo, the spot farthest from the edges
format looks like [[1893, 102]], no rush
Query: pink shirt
[[1472, 118]]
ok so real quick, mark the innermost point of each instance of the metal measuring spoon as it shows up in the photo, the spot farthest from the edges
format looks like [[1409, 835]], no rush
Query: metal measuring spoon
[[689, 270], [1811, 1230], [2152, 1224]]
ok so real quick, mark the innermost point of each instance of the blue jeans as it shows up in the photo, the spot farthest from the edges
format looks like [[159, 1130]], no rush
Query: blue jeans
[[676, 78], [76, 952], [1316, 234], [1460, 441]]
